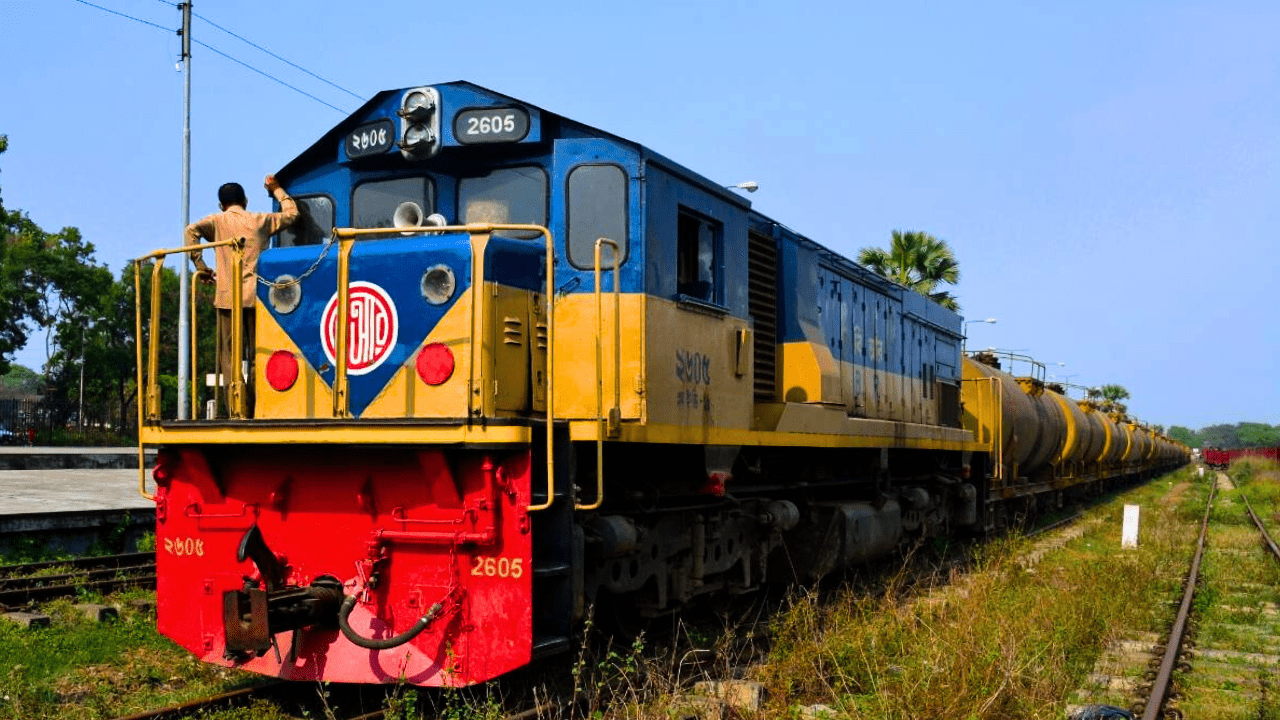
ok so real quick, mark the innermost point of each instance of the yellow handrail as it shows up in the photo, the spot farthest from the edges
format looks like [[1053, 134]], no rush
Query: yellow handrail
[[614, 413], [149, 395], [349, 235], [235, 385], [194, 392]]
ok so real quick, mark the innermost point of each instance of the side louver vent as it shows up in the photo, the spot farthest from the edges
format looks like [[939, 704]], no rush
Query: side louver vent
[[762, 299]]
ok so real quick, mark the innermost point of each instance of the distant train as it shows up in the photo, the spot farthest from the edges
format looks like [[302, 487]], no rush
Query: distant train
[[1219, 459], [512, 369]]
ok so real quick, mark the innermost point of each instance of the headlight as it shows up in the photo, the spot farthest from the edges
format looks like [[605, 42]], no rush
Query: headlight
[[419, 123], [285, 295], [438, 284]]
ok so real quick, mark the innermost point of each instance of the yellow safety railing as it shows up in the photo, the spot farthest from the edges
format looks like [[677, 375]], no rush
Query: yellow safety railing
[[346, 238], [615, 413], [149, 391], [991, 404]]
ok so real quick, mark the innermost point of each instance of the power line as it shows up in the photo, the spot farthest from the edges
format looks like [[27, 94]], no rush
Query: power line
[[266, 75], [287, 62], [256, 46], [232, 59], [115, 12]]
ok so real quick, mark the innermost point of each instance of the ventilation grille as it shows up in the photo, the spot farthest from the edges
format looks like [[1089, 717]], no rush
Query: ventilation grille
[[762, 300]]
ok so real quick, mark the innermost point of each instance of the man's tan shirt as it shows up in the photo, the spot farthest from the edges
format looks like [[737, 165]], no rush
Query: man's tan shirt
[[236, 222]]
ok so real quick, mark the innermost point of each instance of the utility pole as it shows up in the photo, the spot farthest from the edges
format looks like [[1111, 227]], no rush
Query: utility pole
[[184, 276]]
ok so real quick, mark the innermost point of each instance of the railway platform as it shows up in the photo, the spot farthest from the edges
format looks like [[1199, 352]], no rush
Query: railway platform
[[66, 499]]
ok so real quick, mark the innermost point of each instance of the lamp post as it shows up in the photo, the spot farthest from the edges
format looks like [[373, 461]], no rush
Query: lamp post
[[750, 186], [967, 323]]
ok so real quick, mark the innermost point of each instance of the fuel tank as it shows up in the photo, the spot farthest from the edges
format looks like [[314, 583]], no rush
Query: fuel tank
[[1092, 451], [1140, 444], [1031, 424], [1079, 432]]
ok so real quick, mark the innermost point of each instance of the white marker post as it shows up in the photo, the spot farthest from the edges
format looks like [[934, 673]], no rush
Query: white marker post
[[1129, 534]]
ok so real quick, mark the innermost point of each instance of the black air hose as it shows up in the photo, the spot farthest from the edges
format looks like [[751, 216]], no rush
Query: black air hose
[[387, 643]]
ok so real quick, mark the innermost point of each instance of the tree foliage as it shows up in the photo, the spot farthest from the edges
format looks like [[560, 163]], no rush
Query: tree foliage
[[1227, 436], [45, 278], [916, 260], [1109, 397]]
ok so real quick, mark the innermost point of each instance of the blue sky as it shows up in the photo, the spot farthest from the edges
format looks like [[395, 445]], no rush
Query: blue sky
[[1106, 172]]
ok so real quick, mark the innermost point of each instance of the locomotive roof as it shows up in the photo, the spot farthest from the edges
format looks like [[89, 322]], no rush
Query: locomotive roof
[[324, 149]]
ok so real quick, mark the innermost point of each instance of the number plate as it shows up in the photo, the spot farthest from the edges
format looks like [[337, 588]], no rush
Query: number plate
[[371, 139], [491, 125]]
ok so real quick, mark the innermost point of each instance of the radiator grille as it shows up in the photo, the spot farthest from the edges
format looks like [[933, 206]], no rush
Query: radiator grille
[[762, 301]]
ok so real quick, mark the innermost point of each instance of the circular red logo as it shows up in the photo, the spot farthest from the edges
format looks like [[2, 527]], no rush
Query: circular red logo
[[372, 326]]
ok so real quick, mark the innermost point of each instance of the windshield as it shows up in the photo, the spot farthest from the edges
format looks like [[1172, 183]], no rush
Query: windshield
[[374, 204], [516, 196]]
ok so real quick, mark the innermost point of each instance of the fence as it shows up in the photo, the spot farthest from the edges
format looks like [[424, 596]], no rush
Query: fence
[[47, 422]]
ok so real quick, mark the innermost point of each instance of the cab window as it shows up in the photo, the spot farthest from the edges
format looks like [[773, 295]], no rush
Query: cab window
[[597, 209], [698, 242], [314, 223], [374, 204], [515, 196]]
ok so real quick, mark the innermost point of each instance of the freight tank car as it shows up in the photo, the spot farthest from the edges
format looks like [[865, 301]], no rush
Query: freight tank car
[[510, 368], [1046, 447]]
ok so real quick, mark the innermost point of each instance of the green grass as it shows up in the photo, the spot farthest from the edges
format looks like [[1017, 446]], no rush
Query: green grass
[[83, 669]]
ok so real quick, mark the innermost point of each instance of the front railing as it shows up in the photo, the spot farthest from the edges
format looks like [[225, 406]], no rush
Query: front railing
[[149, 396]]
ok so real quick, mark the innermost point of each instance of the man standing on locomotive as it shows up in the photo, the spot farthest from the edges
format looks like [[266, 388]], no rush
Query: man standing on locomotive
[[256, 228]]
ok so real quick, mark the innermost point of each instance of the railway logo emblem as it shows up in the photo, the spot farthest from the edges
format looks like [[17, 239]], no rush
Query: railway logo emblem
[[372, 328]]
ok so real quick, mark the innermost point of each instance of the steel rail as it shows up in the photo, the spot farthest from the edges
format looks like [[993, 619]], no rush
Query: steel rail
[[1160, 688], [1266, 537], [94, 575], [17, 597], [192, 707], [1053, 525], [82, 563]]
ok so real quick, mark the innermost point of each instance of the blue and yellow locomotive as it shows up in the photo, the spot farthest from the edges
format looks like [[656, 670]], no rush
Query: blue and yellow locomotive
[[510, 367]]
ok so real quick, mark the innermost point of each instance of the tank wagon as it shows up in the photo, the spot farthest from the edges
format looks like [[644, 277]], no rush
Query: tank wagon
[[511, 369]]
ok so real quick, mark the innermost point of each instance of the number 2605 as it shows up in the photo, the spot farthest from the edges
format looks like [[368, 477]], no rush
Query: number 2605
[[497, 567]]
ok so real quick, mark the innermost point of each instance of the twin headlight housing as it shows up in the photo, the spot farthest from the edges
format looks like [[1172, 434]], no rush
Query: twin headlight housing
[[419, 123]]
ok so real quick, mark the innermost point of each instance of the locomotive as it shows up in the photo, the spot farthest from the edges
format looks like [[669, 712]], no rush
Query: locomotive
[[511, 369]]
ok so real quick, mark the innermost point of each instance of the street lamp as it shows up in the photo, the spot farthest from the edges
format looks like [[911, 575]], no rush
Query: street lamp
[[750, 186], [967, 323]]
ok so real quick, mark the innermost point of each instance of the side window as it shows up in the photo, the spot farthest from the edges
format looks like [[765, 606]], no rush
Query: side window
[[314, 223], [597, 208], [374, 204], [698, 242], [516, 196]]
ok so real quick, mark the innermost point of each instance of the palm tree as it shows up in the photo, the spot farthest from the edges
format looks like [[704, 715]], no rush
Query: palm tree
[[919, 261]]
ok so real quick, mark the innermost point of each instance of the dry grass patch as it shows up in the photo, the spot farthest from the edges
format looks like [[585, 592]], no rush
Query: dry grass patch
[[1013, 644]]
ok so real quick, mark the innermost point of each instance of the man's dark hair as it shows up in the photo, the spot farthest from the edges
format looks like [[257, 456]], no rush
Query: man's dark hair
[[232, 194]]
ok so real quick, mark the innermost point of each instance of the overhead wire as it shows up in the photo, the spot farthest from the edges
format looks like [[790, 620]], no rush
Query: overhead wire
[[229, 57], [117, 12], [268, 75], [287, 62]]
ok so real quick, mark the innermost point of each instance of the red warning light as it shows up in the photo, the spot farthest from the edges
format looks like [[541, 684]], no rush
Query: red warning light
[[435, 363], [282, 370]]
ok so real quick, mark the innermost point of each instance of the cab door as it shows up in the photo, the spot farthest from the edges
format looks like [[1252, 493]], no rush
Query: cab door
[[595, 194]]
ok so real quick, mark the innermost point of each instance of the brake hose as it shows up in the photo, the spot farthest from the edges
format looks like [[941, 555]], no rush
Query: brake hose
[[387, 643]]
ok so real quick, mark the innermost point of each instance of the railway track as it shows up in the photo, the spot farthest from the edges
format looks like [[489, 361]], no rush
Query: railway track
[[1222, 653], [24, 584], [306, 698]]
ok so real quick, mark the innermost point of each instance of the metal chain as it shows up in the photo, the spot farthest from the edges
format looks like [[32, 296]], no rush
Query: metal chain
[[319, 259]]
